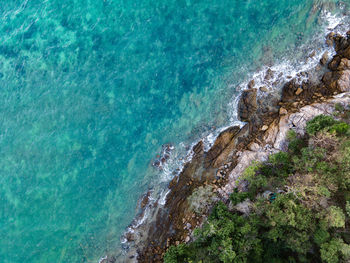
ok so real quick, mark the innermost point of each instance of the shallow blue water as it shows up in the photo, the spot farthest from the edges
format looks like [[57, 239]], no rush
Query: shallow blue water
[[90, 90]]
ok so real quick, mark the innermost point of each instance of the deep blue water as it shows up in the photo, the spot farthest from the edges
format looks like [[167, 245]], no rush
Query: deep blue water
[[90, 90]]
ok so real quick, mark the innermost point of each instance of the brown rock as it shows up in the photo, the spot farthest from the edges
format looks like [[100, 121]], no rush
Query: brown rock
[[283, 111], [329, 42], [221, 143], [269, 74], [251, 84], [333, 65], [264, 128], [330, 39], [299, 91], [288, 91], [324, 58], [263, 89], [341, 45], [344, 64], [247, 105], [343, 83], [312, 54], [346, 52]]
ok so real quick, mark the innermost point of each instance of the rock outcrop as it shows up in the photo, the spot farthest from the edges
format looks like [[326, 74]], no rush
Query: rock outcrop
[[275, 138], [268, 119]]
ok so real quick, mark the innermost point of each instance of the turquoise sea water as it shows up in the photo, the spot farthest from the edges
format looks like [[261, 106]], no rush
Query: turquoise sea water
[[90, 90]]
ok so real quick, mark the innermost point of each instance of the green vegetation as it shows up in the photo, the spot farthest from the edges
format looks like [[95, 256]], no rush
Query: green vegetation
[[307, 220]]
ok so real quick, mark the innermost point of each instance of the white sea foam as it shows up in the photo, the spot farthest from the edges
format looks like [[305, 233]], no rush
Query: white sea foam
[[293, 67], [283, 72], [102, 259]]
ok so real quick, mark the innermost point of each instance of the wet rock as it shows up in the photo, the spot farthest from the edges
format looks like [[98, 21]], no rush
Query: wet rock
[[145, 199], [198, 147], [330, 39], [251, 84], [324, 58], [247, 105], [263, 89], [341, 44], [269, 74], [312, 54], [288, 91], [223, 144], [333, 65]]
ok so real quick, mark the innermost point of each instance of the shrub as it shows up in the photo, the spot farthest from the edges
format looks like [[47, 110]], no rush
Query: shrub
[[238, 197], [339, 128], [319, 123], [295, 145], [175, 254], [309, 159], [347, 208], [255, 179], [335, 251], [321, 236], [335, 217]]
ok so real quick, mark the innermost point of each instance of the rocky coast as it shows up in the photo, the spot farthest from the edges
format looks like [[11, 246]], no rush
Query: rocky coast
[[212, 175]]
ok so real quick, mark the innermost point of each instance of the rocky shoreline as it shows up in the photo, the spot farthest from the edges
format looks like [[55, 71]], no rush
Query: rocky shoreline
[[211, 176]]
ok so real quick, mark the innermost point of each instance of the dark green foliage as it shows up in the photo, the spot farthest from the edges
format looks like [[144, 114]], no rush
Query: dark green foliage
[[176, 254], [327, 123], [319, 123], [238, 197], [279, 165], [309, 159], [295, 144], [309, 223]]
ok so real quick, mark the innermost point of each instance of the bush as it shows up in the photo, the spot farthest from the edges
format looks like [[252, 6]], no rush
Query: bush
[[255, 179], [238, 197], [340, 128], [319, 123], [347, 207], [175, 254], [335, 217], [295, 144], [335, 251]]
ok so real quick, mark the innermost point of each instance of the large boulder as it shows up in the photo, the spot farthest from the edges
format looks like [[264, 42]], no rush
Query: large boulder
[[343, 83], [344, 64], [288, 91], [247, 105]]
